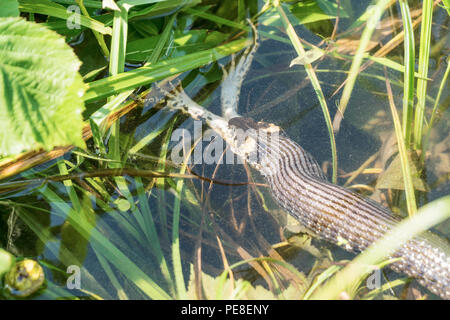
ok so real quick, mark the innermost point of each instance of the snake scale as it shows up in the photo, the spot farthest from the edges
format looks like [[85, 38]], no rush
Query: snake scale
[[297, 182], [337, 214]]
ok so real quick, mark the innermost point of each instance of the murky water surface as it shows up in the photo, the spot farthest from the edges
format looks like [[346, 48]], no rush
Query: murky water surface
[[119, 230]]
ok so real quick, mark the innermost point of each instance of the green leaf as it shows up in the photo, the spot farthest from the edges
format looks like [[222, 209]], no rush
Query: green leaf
[[238, 289], [304, 12], [52, 9], [309, 57], [110, 4], [162, 8], [40, 100], [122, 204], [108, 250], [447, 5], [132, 3], [145, 28], [184, 43], [312, 11], [232, 290], [10, 8], [6, 261], [392, 177], [128, 80]]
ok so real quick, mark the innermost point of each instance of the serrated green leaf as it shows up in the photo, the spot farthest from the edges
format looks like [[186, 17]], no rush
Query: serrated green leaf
[[10, 8], [6, 261], [40, 100]]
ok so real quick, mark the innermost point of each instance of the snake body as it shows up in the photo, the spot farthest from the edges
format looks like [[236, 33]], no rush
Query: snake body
[[334, 213], [297, 182]]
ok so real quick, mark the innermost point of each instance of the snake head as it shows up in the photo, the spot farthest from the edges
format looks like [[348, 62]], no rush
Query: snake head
[[256, 142], [243, 123], [248, 123]]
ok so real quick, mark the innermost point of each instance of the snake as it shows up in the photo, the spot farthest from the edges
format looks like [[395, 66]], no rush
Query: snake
[[334, 213], [329, 211], [296, 181]]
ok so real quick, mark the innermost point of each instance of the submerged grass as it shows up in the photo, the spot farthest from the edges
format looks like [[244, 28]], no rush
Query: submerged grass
[[111, 252], [408, 75], [374, 14], [402, 150], [424, 60], [315, 83]]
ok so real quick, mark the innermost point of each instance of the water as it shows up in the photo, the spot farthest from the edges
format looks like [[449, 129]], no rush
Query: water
[[219, 224]]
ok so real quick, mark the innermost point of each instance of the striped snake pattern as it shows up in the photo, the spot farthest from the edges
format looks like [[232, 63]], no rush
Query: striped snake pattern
[[337, 214], [297, 182]]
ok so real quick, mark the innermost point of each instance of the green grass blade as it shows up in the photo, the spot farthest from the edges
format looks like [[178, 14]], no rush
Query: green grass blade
[[112, 277], [114, 104], [160, 182], [162, 40], [76, 203], [6, 261], [406, 170], [141, 76], [175, 239], [87, 3], [446, 5], [107, 248], [409, 57], [387, 286], [152, 233], [424, 55], [176, 257], [438, 97], [224, 275], [428, 216], [435, 107], [233, 24], [315, 83], [53, 10], [117, 65], [374, 14], [132, 3], [321, 278], [391, 64], [150, 137], [98, 36], [118, 42]]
